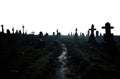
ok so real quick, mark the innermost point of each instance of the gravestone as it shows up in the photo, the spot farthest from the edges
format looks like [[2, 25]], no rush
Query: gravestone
[[57, 31], [110, 45], [41, 35], [58, 35], [23, 29], [16, 32], [92, 30], [108, 36], [8, 31], [53, 33], [26, 32], [76, 34], [13, 30], [92, 37], [19, 31], [97, 33], [2, 28]]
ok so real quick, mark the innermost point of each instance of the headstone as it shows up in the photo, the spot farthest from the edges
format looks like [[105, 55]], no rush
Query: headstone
[[83, 35], [13, 30], [92, 37], [97, 33], [53, 33], [57, 31], [108, 36], [76, 34], [100, 34], [92, 30], [23, 29], [76, 30], [19, 31], [16, 32], [8, 31], [26, 32], [41, 35], [2, 28], [110, 46]]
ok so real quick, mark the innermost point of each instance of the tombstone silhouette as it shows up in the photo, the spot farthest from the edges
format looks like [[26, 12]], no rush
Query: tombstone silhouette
[[100, 34], [76, 34], [92, 37], [23, 29], [108, 36], [16, 32], [46, 35], [110, 46], [82, 34], [26, 32], [97, 33], [53, 33], [13, 30], [2, 28], [92, 30], [8, 31], [41, 35], [19, 31], [57, 31], [58, 34]]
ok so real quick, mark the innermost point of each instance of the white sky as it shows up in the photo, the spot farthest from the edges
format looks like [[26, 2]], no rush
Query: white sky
[[65, 15]]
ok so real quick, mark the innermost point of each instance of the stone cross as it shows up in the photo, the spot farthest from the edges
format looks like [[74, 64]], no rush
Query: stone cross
[[92, 29], [107, 28], [108, 36]]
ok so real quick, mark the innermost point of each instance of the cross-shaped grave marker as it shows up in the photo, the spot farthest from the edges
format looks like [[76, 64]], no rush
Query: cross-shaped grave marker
[[107, 28], [108, 36], [92, 30]]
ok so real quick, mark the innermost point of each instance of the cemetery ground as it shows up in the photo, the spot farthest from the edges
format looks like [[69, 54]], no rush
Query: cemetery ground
[[23, 61], [87, 61], [84, 60]]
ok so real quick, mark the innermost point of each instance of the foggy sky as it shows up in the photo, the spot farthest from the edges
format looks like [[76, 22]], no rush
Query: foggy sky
[[65, 15]]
